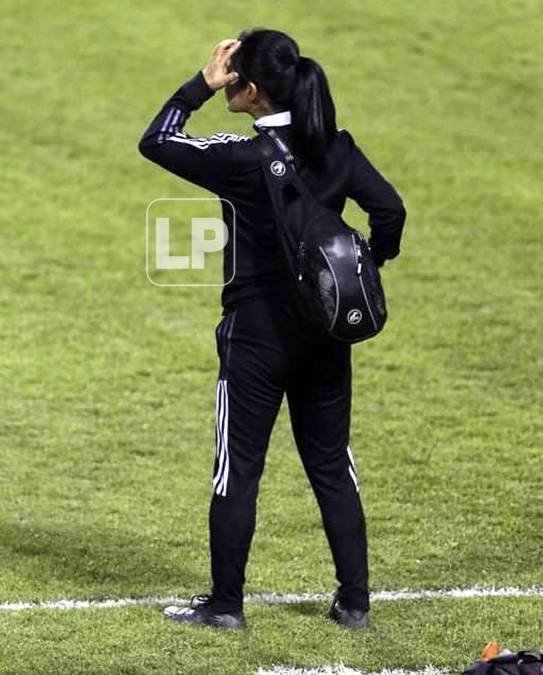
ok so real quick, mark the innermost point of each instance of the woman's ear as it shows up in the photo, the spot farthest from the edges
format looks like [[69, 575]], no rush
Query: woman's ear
[[252, 92]]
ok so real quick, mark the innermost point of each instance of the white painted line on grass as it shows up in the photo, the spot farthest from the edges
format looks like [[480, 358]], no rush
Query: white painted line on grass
[[343, 670], [285, 598], [109, 603], [404, 594]]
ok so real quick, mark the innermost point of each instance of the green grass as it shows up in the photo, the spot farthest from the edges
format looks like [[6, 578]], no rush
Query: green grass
[[444, 633], [107, 382]]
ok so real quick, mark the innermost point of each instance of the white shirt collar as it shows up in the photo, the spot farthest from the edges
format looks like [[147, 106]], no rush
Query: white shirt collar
[[280, 119]]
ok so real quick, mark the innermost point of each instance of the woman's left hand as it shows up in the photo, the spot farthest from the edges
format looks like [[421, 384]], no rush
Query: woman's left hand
[[216, 71]]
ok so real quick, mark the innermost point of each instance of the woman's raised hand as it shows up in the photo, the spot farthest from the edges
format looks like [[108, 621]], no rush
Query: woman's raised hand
[[216, 72]]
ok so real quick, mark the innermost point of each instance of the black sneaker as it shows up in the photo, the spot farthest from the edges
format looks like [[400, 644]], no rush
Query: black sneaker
[[201, 611], [351, 618]]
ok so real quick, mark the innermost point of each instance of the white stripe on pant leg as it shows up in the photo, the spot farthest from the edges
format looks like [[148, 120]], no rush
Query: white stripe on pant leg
[[220, 433], [352, 467], [221, 478], [224, 483], [217, 432], [353, 476], [351, 458]]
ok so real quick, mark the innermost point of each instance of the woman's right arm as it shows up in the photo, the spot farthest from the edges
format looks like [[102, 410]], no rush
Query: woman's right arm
[[199, 159]]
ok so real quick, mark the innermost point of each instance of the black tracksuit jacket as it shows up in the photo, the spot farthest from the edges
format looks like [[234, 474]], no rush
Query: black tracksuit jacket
[[229, 166]]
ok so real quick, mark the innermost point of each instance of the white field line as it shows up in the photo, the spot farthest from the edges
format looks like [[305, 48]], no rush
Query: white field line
[[343, 670], [285, 598]]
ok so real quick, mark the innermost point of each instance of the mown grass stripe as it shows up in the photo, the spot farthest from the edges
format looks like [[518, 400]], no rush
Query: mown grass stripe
[[284, 598]]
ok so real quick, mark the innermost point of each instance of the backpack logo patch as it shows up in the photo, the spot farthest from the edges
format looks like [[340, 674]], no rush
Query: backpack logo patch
[[354, 316], [277, 168]]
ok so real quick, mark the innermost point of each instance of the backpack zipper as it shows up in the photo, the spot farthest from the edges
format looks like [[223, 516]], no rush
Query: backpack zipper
[[359, 274], [359, 259], [301, 260]]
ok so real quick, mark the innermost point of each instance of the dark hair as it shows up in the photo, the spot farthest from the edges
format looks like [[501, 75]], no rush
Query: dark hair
[[271, 59]]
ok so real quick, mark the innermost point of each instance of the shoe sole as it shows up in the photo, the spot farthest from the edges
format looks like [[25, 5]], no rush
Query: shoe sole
[[204, 622], [351, 626]]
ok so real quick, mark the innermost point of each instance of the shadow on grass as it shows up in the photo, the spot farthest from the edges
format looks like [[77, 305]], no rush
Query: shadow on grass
[[306, 609], [95, 562]]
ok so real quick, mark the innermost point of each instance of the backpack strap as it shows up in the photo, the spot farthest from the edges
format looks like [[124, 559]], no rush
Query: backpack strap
[[283, 147], [272, 149]]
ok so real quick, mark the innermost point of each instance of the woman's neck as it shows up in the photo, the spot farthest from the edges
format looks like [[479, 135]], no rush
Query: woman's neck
[[261, 110]]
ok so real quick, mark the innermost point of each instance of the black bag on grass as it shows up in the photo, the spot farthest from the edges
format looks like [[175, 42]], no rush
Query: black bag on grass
[[527, 662]]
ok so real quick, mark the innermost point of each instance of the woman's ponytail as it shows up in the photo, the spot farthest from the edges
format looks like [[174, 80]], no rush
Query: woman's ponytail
[[272, 60], [313, 111]]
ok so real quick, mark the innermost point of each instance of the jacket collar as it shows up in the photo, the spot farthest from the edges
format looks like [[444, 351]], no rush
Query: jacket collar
[[279, 119]]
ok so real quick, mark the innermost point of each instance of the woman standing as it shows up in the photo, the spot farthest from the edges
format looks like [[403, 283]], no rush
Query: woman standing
[[265, 351]]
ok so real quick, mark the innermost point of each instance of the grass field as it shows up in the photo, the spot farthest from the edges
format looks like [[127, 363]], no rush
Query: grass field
[[108, 383]]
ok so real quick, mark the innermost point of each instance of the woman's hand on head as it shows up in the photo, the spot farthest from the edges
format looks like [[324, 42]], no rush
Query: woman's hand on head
[[216, 72]]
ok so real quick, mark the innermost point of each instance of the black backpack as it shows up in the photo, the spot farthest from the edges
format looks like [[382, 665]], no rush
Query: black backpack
[[333, 279], [527, 662]]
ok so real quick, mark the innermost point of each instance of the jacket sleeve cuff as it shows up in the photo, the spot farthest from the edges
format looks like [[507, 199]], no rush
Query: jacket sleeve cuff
[[193, 93]]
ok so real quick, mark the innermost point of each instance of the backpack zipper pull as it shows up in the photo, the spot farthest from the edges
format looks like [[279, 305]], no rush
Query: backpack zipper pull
[[301, 260], [359, 258]]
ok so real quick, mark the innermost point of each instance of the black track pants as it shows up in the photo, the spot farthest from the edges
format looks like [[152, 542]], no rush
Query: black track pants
[[265, 352]]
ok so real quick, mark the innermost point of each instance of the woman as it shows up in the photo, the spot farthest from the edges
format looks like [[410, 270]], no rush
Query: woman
[[264, 350]]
